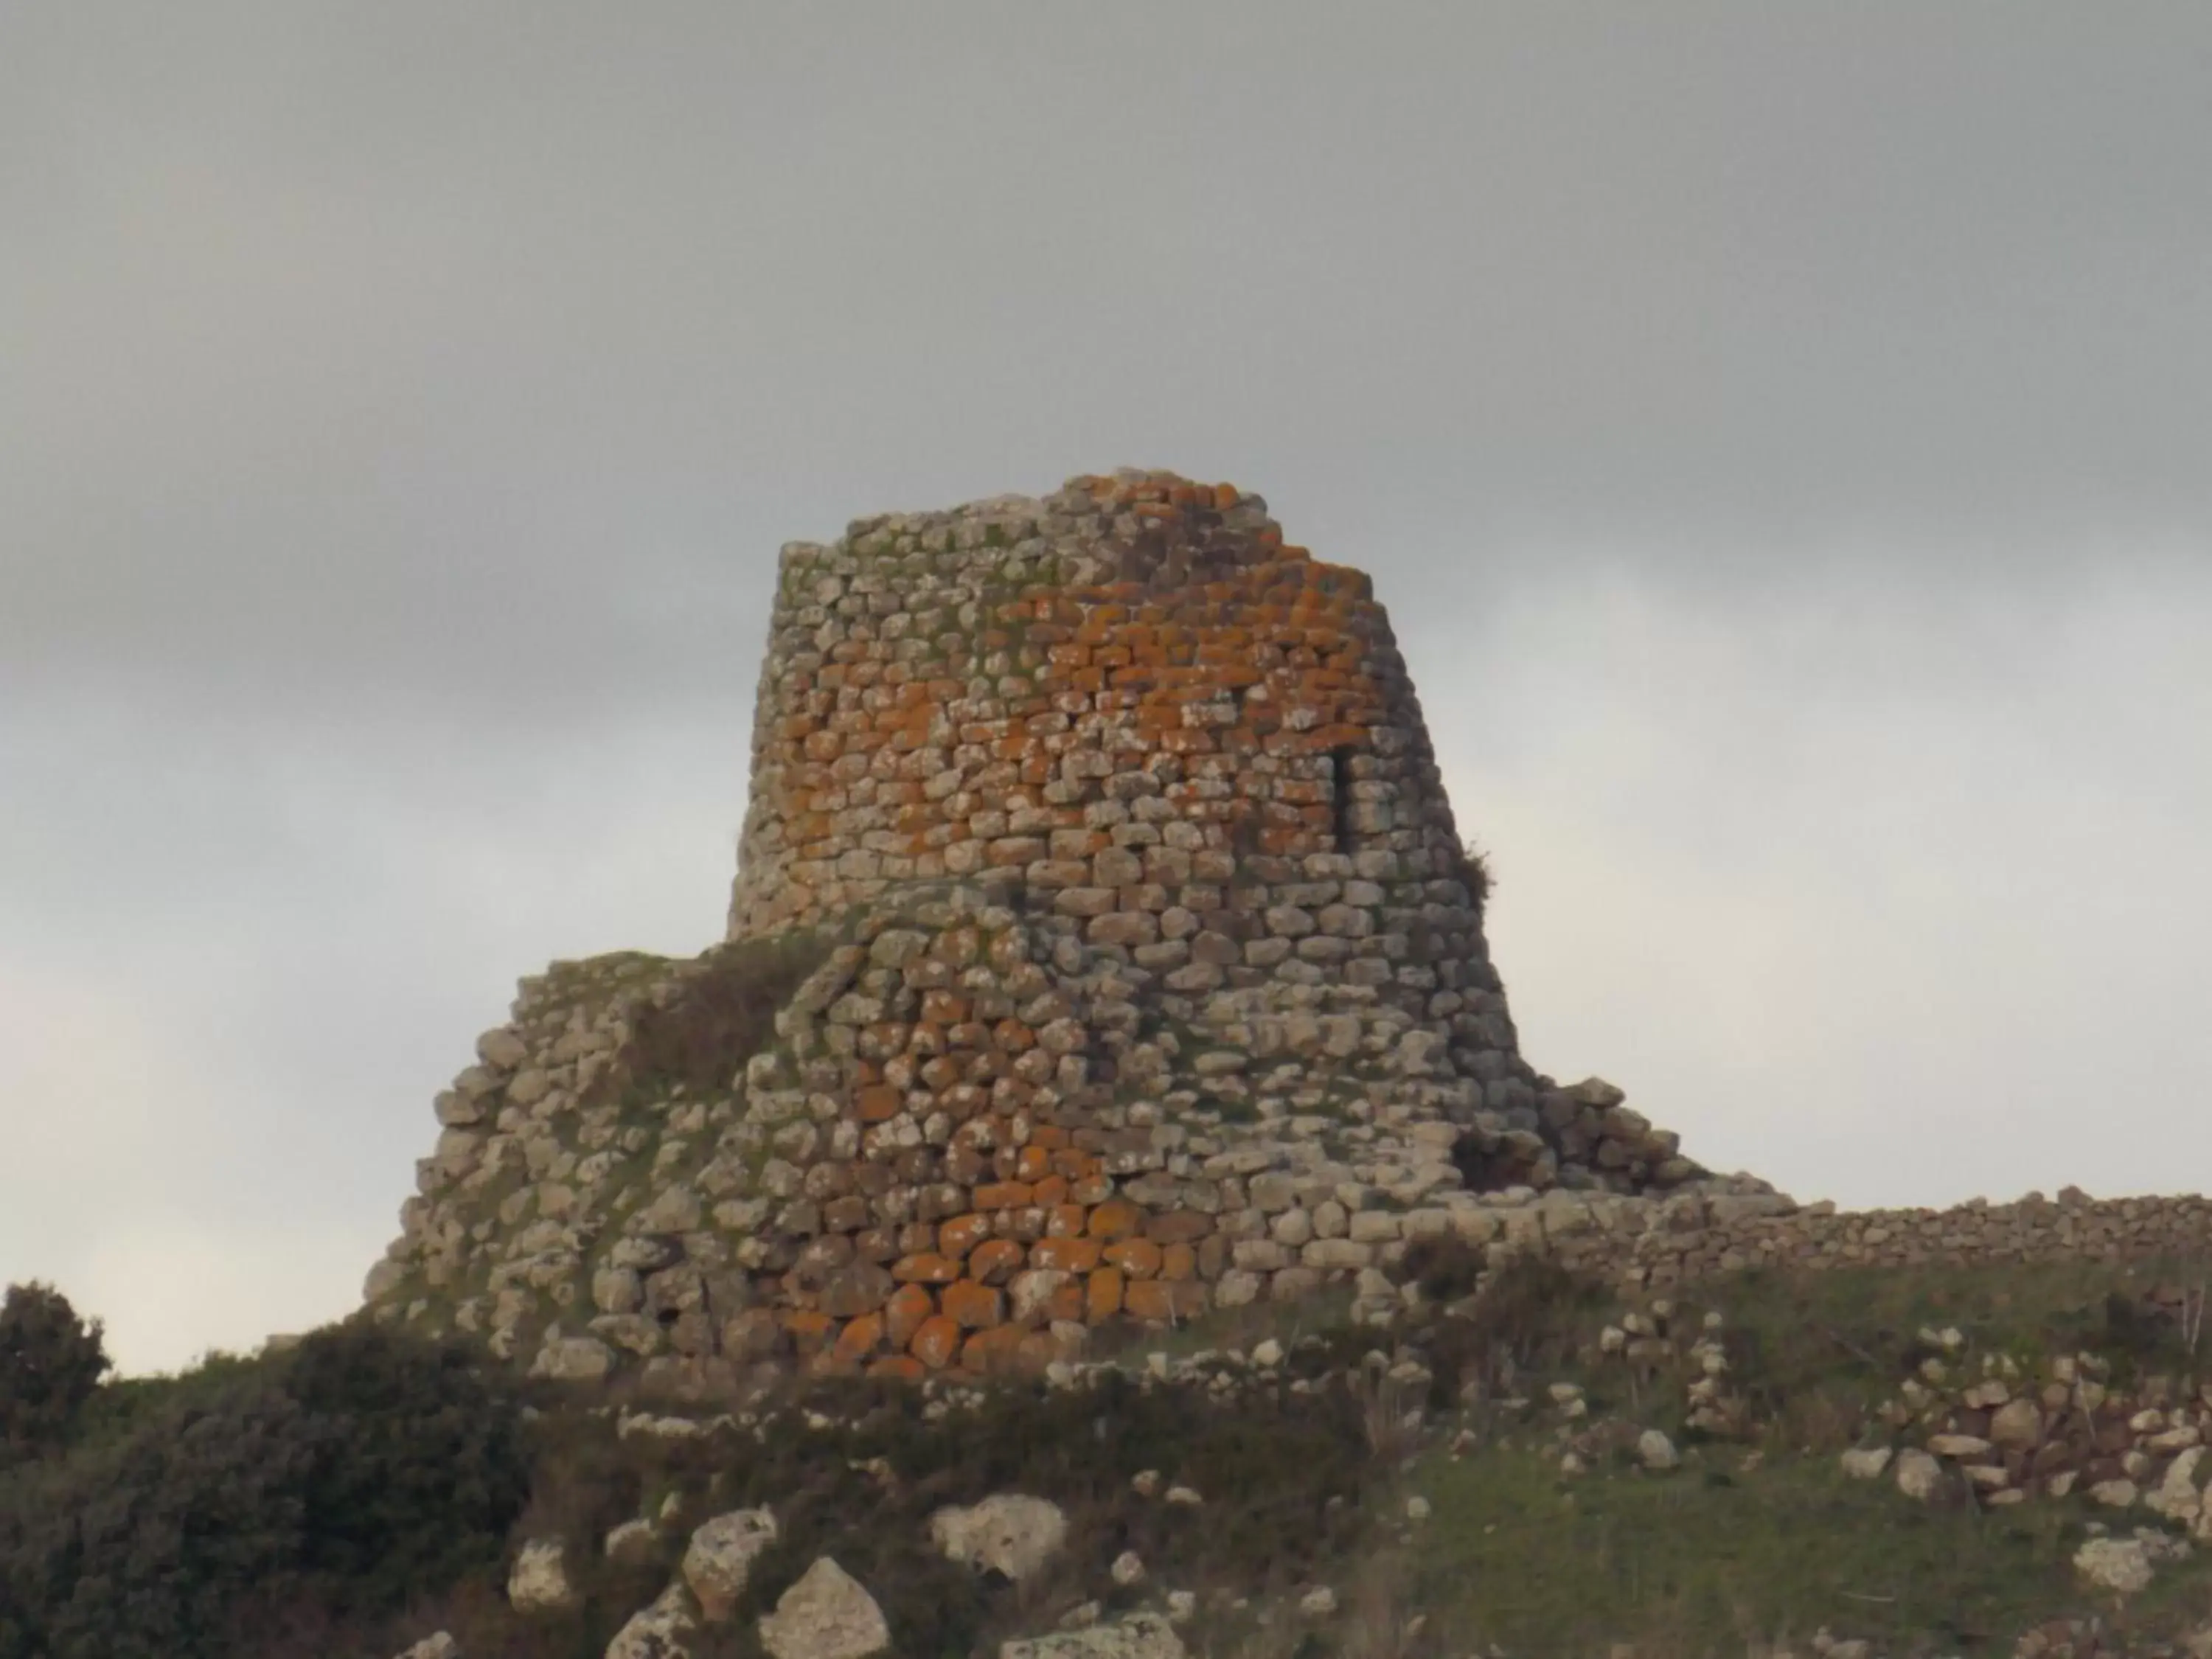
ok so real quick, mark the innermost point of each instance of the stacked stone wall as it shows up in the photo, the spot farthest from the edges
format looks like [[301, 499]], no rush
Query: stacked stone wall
[[1680, 1239], [1156, 980], [1037, 686]]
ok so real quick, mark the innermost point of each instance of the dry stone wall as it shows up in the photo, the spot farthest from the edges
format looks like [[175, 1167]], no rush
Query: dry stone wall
[[1693, 1237], [1150, 978]]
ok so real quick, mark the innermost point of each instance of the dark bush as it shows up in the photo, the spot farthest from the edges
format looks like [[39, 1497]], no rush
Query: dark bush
[[50, 1361], [428, 1471], [1475, 874], [139, 1549], [364, 1466]]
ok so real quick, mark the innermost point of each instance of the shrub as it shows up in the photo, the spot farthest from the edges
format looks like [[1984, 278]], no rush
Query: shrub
[[428, 1467], [1475, 874], [363, 1467], [50, 1361], [138, 1549]]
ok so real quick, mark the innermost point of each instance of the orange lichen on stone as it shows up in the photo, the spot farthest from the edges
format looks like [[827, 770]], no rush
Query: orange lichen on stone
[[905, 1313], [937, 1343], [1102, 1295], [996, 1260], [1160, 1301], [1138, 1258], [878, 1105], [860, 1338], [1074, 1256], [956, 1237], [927, 1268], [975, 1307], [993, 1352], [1115, 1218]]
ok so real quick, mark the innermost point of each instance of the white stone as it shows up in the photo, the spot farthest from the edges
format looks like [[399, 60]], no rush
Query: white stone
[[1958, 1445], [631, 1542], [1007, 1533], [2176, 1497], [539, 1580], [719, 1559], [1318, 1603], [441, 1645], [825, 1615], [1128, 1569], [2119, 1565], [2018, 1425], [1866, 1462], [1919, 1475], [1656, 1451], [658, 1631]]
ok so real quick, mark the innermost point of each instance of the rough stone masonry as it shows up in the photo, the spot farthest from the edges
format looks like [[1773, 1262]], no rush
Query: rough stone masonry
[[1152, 978]]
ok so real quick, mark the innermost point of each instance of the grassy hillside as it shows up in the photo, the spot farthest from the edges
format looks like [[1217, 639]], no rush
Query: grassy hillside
[[1484, 1479]]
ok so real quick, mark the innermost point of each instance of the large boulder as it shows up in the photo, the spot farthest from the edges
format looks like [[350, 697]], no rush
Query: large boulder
[[825, 1615], [720, 1558], [662, 1630], [1007, 1533]]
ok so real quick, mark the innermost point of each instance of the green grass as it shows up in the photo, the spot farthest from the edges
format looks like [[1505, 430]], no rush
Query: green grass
[[1714, 1560]]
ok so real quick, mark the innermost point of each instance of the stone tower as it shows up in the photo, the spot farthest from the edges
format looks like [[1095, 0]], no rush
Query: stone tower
[[1152, 978]]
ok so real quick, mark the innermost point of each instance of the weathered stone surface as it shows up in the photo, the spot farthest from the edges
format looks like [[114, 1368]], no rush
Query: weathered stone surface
[[539, 1582], [2120, 1565], [1866, 1464], [438, 1645], [1919, 1476], [1656, 1452], [663, 1630], [2017, 1425], [718, 1560], [827, 1615], [1007, 1533]]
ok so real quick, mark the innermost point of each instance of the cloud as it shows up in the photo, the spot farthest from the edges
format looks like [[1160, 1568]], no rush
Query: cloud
[[1889, 899]]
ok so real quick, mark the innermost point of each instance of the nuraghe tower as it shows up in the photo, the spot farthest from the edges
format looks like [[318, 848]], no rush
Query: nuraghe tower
[[1143, 972]]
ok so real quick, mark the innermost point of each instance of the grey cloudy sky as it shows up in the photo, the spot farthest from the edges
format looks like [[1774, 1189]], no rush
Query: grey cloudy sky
[[1780, 431]]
